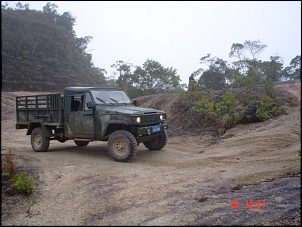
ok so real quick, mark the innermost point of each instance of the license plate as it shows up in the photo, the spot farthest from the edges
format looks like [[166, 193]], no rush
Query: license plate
[[156, 128]]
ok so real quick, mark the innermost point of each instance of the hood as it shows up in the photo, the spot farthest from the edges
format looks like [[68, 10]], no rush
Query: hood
[[128, 110]]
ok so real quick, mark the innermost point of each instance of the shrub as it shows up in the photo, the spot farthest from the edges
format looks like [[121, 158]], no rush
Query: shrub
[[23, 182], [264, 107], [292, 101], [8, 166]]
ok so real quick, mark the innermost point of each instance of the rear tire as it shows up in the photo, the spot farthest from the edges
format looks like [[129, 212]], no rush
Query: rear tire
[[39, 141], [80, 143], [122, 146]]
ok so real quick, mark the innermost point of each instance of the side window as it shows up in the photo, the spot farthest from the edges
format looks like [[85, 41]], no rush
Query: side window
[[87, 99], [77, 102]]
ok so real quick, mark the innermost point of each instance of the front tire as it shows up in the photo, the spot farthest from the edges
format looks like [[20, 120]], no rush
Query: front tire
[[39, 141], [122, 146], [159, 143]]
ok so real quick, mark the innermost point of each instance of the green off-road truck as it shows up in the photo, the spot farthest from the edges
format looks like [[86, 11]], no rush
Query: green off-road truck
[[86, 114]]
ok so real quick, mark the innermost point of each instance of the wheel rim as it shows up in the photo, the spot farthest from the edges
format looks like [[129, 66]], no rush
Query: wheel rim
[[120, 147], [37, 141]]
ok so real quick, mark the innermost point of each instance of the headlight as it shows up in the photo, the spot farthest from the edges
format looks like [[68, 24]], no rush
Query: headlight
[[162, 116], [136, 119]]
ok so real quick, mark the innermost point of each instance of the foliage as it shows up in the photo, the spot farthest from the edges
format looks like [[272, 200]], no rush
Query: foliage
[[268, 106], [228, 103], [292, 101], [254, 47], [215, 76], [269, 88], [293, 71], [147, 79], [40, 51], [213, 80], [223, 109], [264, 107], [253, 76], [272, 70], [23, 182], [8, 167], [246, 71], [206, 108]]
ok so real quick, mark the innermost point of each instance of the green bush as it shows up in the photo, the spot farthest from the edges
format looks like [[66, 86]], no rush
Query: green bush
[[264, 108], [230, 101], [23, 182], [205, 106], [270, 88]]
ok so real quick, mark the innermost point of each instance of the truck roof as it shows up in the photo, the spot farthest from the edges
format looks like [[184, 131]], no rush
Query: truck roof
[[84, 89]]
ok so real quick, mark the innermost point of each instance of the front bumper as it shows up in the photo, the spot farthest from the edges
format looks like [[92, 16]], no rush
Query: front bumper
[[150, 133], [150, 130]]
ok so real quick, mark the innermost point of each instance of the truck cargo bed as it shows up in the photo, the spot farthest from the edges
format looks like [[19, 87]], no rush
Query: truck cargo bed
[[46, 108]]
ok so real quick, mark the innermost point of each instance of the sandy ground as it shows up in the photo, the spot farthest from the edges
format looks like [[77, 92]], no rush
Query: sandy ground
[[186, 183]]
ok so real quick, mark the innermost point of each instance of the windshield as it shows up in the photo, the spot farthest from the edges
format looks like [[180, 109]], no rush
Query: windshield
[[110, 97]]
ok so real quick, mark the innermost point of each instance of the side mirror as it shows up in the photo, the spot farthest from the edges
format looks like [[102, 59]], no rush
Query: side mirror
[[89, 105], [134, 102]]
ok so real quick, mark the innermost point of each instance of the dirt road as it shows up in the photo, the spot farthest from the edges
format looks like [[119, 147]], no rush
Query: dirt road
[[186, 183]]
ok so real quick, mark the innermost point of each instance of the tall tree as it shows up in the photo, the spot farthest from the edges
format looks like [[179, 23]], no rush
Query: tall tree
[[152, 78], [50, 9], [122, 67], [19, 6], [254, 47], [272, 69], [237, 51], [82, 43], [293, 71], [125, 76], [215, 76], [212, 79], [66, 20]]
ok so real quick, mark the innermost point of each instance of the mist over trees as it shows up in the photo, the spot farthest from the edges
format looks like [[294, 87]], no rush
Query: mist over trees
[[41, 50]]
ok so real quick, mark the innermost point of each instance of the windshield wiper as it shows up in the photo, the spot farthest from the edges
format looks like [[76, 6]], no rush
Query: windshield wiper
[[118, 101], [100, 99], [114, 100]]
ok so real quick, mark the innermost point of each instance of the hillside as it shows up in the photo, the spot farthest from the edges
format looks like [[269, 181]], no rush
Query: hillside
[[181, 123], [39, 54]]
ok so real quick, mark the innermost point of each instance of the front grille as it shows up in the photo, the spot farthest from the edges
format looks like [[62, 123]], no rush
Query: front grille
[[152, 118]]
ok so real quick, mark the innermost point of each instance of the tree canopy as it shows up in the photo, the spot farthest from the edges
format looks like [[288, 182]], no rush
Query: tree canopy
[[246, 71]]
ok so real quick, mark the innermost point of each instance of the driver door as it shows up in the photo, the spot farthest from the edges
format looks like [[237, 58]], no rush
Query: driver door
[[80, 120]]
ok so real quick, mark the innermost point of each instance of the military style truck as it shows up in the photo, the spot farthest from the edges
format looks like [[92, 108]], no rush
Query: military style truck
[[86, 114]]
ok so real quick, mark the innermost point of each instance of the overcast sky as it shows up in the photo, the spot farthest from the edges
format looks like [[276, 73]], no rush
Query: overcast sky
[[177, 34]]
